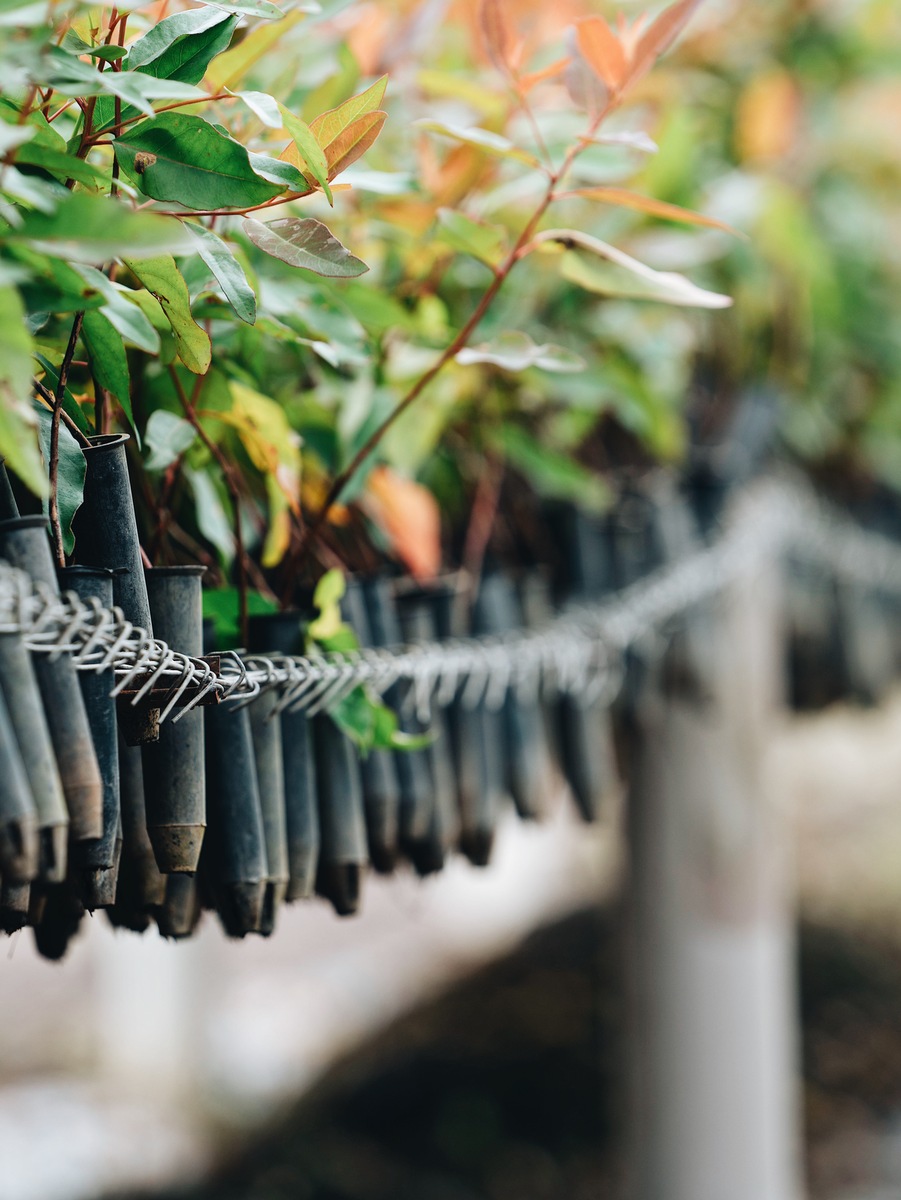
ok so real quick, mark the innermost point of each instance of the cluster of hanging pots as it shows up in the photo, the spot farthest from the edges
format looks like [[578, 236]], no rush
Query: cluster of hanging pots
[[240, 807]]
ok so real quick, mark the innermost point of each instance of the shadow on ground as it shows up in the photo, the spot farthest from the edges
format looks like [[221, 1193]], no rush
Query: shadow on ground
[[510, 1087]]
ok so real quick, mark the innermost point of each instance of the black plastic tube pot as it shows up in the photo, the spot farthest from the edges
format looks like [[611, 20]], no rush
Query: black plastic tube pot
[[378, 772], [180, 912], [59, 923], [142, 886], [583, 721], [23, 542], [417, 611], [174, 769], [279, 633], [19, 689], [485, 725], [416, 801], [95, 864], [106, 535], [238, 868], [18, 815], [342, 825], [266, 731], [527, 773], [463, 736], [15, 901]]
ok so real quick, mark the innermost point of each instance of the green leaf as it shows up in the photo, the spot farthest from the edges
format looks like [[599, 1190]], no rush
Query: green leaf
[[220, 605], [515, 351], [53, 286], [285, 174], [91, 229], [304, 242], [75, 44], [64, 166], [389, 737], [72, 77], [355, 717], [228, 272], [263, 106], [167, 437], [551, 473], [621, 280], [161, 277], [121, 309], [310, 151], [108, 361], [211, 504], [42, 194], [619, 274], [176, 45], [18, 440], [70, 477], [14, 135], [71, 407], [184, 159], [262, 8], [327, 600], [184, 57], [487, 243], [484, 139]]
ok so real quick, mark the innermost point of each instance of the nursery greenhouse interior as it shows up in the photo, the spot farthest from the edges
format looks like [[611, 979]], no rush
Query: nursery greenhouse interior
[[450, 600]]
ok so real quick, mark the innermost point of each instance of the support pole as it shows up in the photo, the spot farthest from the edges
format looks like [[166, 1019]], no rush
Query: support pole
[[713, 1047]]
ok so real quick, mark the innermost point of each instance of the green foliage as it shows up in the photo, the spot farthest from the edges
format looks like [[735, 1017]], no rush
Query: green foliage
[[255, 355]]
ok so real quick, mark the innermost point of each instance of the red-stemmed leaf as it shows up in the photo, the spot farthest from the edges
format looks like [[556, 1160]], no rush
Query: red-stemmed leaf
[[496, 32], [353, 141], [603, 51]]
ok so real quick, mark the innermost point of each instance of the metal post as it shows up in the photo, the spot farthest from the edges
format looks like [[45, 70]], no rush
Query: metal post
[[713, 1046]]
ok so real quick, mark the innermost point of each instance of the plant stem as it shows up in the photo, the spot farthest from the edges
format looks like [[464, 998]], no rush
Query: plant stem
[[47, 396], [55, 526], [482, 517]]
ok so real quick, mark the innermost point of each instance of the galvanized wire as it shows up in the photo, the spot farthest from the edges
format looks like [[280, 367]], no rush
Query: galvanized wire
[[580, 651]]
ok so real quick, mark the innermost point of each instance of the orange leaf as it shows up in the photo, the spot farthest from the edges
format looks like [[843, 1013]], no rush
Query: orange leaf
[[408, 514], [353, 141], [603, 51], [330, 125], [496, 34], [527, 82], [623, 198], [660, 36]]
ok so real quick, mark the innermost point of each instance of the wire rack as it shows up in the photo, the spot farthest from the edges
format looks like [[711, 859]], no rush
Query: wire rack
[[579, 651]]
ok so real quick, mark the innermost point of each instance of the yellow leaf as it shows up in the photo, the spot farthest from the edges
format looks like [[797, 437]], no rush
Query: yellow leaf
[[230, 68], [278, 530], [767, 119], [271, 444]]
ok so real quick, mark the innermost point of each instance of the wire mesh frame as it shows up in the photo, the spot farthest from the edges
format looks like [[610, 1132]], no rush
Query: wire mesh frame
[[578, 652]]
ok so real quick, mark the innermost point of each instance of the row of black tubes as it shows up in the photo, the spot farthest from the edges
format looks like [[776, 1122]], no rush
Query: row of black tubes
[[238, 808]]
